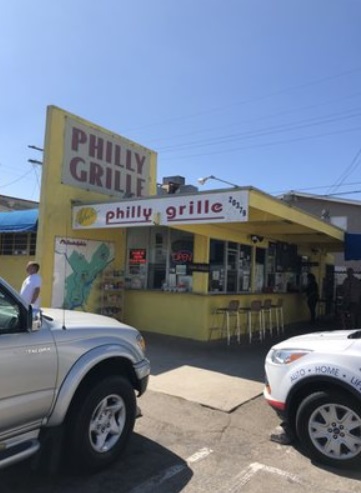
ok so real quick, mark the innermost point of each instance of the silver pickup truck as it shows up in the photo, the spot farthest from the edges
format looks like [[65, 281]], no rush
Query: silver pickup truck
[[69, 382]]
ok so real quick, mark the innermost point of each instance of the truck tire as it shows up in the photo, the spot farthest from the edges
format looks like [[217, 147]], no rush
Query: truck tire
[[328, 425], [100, 424]]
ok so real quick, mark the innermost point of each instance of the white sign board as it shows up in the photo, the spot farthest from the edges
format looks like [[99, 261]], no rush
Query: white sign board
[[104, 162], [221, 207]]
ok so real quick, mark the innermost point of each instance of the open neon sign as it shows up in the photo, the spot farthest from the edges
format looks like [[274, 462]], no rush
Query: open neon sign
[[182, 256]]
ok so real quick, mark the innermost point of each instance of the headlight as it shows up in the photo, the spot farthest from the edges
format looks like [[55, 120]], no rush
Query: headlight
[[141, 342], [287, 356]]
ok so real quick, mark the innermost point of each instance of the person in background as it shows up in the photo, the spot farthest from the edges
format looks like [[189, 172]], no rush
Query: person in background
[[352, 298], [30, 289], [312, 295]]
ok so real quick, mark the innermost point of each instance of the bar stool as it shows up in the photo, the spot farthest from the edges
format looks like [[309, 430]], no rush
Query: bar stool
[[267, 309], [232, 310], [254, 311], [278, 309]]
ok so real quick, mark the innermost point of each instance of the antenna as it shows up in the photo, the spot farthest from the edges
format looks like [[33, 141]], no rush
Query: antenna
[[65, 268]]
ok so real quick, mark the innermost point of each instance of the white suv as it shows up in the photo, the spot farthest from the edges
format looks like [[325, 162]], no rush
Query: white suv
[[313, 382]]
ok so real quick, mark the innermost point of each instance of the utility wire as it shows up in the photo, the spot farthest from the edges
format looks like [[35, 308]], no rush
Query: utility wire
[[17, 180], [267, 144], [251, 100], [288, 127], [37, 180], [252, 120], [319, 187], [350, 169], [342, 193]]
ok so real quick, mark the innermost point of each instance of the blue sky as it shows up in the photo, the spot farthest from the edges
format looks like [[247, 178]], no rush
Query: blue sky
[[263, 93]]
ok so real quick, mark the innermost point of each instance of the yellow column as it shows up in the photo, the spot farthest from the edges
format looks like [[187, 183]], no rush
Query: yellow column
[[201, 255]]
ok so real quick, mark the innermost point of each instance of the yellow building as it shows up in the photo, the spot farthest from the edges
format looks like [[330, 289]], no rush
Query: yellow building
[[169, 262]]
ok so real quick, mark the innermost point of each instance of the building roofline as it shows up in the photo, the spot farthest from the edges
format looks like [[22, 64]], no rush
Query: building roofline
[[328, 198]]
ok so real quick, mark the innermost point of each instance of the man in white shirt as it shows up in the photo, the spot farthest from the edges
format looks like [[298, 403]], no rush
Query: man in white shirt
[[30, 289]]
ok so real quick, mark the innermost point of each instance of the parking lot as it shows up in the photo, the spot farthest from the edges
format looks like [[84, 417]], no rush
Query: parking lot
[[205, 428]]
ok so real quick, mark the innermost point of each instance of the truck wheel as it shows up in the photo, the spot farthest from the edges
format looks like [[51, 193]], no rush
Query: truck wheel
[[100, 423], [328, 424]]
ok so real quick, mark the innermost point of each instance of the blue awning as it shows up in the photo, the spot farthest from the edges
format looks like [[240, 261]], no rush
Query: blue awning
[[19, 221], [352, 246]]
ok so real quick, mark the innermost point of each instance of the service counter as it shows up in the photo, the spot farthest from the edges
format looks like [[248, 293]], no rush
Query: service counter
[[191, 315]]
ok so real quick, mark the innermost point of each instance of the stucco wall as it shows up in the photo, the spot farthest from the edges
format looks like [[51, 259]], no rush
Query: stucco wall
[[12, 268]]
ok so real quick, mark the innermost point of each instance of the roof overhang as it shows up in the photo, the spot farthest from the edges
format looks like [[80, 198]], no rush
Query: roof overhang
[[265, 216]]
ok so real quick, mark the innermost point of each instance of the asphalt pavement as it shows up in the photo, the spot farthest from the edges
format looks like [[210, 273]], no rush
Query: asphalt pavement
[[214, 374]]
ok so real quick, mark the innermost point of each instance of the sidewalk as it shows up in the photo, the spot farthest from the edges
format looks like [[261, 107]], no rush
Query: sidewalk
[[211, 373]]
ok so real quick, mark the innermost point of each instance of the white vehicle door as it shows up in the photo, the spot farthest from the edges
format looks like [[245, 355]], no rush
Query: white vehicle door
[[28, 369]]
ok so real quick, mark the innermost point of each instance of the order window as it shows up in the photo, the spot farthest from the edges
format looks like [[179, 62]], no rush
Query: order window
[[159, 258]]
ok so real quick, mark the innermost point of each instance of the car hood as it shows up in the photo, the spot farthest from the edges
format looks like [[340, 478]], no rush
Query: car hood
[[336, 340], [72, 319]]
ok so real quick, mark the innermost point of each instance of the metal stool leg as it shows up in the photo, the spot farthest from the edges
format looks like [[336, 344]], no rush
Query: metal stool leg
[[238, 328], [249, 323], [228, 329], [277, 321], [270, 321], [261, 328], [281, 317]]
